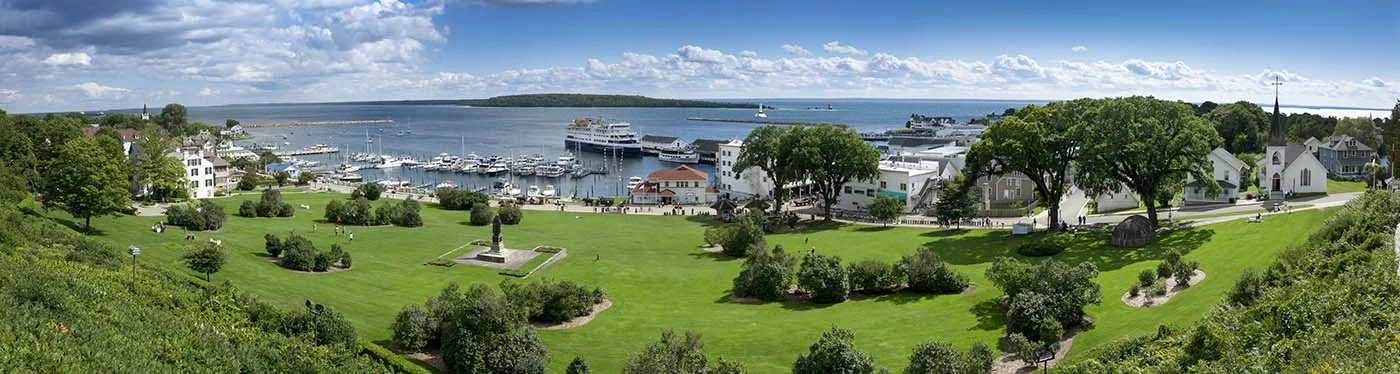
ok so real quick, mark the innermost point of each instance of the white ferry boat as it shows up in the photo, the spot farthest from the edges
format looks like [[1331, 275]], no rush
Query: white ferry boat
[[597, 135], [679, 156]]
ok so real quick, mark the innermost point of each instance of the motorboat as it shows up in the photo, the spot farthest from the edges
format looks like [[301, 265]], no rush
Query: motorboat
[[548, 191], [352, 177], [533, 191], [760, 113], [447, 184], [567, 161], [523, 168], [633, 182], [679, 156], [550, 171], [495, 169], [346, 169]]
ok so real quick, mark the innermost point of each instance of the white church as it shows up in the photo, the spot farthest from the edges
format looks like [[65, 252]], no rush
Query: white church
[[1288, 169]]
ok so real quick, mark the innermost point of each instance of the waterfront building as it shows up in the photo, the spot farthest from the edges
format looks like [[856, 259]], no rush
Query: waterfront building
[[748, 183], [657, 143], [682, 185], [914, 183]]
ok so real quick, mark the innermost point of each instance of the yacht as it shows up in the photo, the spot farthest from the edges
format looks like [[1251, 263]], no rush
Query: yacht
[[760, 113], [352, 177], [548, 170], [633, 182], [679, 156], [598, 135], [447, 184], [533, 191], [495, 169], [567, 161], [522, 168], [548, 191], [347, 168]]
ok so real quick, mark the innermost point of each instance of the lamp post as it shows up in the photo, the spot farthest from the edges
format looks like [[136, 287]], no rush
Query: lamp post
[[134, 251]]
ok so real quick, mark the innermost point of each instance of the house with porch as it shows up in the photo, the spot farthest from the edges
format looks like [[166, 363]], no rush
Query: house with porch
[[682, 185], [1227, 171], [1009, 194], [199, 171], [1343, 156]]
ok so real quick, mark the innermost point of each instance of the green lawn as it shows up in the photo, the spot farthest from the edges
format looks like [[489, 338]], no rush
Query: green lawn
[[1336, 186], [651, 268]]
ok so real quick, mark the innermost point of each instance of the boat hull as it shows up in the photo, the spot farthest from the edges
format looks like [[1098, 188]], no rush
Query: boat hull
[[634, 150]]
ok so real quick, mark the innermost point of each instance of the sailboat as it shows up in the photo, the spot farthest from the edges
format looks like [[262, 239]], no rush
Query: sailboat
[[760, 113]]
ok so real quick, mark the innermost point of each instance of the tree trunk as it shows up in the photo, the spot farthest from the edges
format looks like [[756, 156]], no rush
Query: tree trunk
[[87, 224], [208, 277], [1151, 211], [826, 208], [1054, 213]]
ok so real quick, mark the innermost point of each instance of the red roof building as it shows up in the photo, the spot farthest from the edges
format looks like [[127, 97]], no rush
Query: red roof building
[[682, 185]]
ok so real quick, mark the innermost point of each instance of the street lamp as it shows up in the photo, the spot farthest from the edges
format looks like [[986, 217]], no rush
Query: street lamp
[[134, 251]]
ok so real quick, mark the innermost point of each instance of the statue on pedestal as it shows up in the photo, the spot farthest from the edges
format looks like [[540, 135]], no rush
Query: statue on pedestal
[[496, 235]]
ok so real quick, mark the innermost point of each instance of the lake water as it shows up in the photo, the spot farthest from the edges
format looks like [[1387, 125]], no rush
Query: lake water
[[520, 131]]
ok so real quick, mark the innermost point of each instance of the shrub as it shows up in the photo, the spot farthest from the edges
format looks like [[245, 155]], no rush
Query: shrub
[[386, 213], [335, 253], [356, 212], [824, 278], [185, 216], [1159, 288], [322, 325], [1146, 277], [270, 204], [1184, 272], [927, 273], [345, 260], [1050, 331], [454, 199], [1134, 291], [333, 211], [834, 352], [1046, 247], [247, 209], [248, 183], [482, 215], [550, 302], [743, 236], [765, 275], [670, 355], [272, 244], [1052, 289], [980, 358], [322, 262], [1021, 348], [510, 214], [370, 191], [577, 366], [286, 211], [872, 276], [412, 329], [942, 358], [410, 214], [305, 179], [1249, 288], [443, 262], [298, 253]]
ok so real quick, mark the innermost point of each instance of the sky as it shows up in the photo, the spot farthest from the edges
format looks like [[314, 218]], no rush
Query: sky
[[65, 55]]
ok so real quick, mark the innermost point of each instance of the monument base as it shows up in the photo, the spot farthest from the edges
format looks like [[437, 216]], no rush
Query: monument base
[[491, 256]]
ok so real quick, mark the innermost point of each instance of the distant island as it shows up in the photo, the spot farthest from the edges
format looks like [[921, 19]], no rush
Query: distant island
[[560, 100]]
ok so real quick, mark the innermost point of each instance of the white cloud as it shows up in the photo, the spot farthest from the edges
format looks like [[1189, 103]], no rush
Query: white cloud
[[1019, 67], [8, 96], [749, 54], [796, 50], [1374, 82], [837, 47], [67, 59], [206, 91], [1079, 48], [95, 90], [12, 43]]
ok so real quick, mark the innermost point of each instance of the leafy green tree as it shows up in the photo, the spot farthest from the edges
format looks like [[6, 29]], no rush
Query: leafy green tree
[[742, 236], [88, 180], [832, 156], [484, 333], [670, 355], [886, 209], [281, 178], [270, 205], [272, 244], [766, 275], [156, 169], [763, 149], [824, 278], [834, 353], [1143, 143], [510, 214], [173, 118], [482, 215], [927, 273], [455, 199], [873, 276], [305, 179], [245, 163], [1050, 290], [1242, 125], [1363, 129], [1302, 126], [17, 155], [1022, 348], [298, 253], [267, 157], [1205, 107], [957, 201], [577, 366], [1050, 331], [230, 123], [369, 191], [1390, 136], [940, 358], [205, 258], [249, 182], [1039, 142], [410, 214]]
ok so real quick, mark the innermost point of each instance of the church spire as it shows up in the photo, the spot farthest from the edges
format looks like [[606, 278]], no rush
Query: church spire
[[1276, 126]]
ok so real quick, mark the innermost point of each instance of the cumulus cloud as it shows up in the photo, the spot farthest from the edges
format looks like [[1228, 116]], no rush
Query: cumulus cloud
[[1374, 82], [65, 59], [1019, 67], [11, 42], [836, 47], [1079, 48], [206, 91], [796, 50], [95, 90]]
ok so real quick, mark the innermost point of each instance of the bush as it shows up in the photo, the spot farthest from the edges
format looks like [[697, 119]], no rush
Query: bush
[[834, 353], [872, 276], [248, 183], [824, 278], [1146, 277], [272, 244], [1050, 331], [412, 329], [454, 199], [1174, 267], [345, 260], [271, 203], [927, 273], [370, 191], [185, 216], [550, 302], [482, 215], [1052, 290], [386, 213], [410, 214], [766, 275], [1159, 288], [577, 366], [443, 262], [742, 236], [1249, 288], [942, 358], [322, 262], [1135, 290], [335, 253], [305, 178], [286, 211], [1046, 247], [355, 212], [298, 253], [1021, 348], [247, 209], [980, 358], [510, 214], [333, 211]]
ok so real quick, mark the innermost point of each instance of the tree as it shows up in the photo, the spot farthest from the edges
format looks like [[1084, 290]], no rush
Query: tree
[[156, 169], [305, 179], [1390, 135], [88, 180], [454, 199], [1039, 142], [481, 332], [482, 215], [874, 276], [369, 191], [411, 328], [173, 118], [1205, 107], [670, 355], [577, 366], [886, 209], [409, 215], [824, 278], [1302, 126], [510, 214], [281, 178], [272, 244], [742, 236], [1143, 143], [956, 201], [205, 258], [230, 123], [298, 253], [830, 157], [939, 358], [270, 205], [1050, 290], [17, 155], [213, 215], [834, 353], [1363, 129], [763, 150], [267, 157], [249, 182], [766, 275], [1242, 125]]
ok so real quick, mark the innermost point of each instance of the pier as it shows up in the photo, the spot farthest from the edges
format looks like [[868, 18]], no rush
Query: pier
[[307, 151], [323, 123], [759, 121]]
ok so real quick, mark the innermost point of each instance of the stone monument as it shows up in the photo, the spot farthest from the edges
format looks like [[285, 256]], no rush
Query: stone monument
[[494, 255], [1133, 232]]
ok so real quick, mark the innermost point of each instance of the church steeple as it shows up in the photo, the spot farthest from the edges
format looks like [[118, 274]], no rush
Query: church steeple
[[1276, 126]]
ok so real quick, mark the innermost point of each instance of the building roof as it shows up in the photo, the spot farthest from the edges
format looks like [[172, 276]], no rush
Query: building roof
[[668, 193], [1224, 186], [1229, 158], [658, 139], [680, 173], [1340, 143], [216, 160], [1276, 126], [707, 145], [126, 134], [645, 187]]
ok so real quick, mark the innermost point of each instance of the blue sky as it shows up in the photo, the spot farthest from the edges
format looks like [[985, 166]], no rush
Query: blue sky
[[76, 55]]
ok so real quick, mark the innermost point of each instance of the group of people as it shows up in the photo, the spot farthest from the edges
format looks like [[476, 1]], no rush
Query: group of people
[[159, 227]]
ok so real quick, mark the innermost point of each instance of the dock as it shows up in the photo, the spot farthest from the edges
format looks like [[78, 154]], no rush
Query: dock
[[759, 121], [323, 123], [307, 151]]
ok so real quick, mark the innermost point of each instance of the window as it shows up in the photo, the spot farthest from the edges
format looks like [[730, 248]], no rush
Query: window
[[1306, 178], [208, 171], [194, 184], [194, 173], [903, 187], [882, 185], [1276, 159], [209, 183], [870, 193], [848, 189]]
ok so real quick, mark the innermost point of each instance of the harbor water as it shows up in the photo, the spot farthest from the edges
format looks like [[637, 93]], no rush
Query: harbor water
[[422, 132]]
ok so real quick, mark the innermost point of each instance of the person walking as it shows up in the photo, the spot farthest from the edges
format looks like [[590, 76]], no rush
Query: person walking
[[352, 236]]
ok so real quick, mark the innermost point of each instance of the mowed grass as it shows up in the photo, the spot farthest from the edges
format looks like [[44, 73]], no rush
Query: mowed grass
[[658, 278], [1337, 186]]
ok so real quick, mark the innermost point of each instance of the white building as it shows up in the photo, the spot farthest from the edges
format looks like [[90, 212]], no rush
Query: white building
[[907, 181], [199, 171], [748, 183], [1227, 170], [683, 186], [1288, 168], [657, 143], [1124, 198]]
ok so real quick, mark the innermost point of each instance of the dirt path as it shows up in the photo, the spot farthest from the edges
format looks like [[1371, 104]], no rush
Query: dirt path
[[577, 321], [1143, 300]]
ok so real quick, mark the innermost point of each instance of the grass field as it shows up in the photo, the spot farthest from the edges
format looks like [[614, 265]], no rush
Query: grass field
[[1335, 186], [651, 268]]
